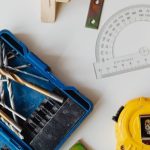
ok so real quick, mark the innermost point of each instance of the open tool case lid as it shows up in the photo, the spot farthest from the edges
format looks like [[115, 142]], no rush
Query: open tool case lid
[[66, 117]]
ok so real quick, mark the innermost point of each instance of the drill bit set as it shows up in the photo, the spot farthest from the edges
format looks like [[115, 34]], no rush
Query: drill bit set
[[37, 110], [4, 117]]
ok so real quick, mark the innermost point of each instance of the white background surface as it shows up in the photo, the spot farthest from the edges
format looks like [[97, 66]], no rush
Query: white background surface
[[69, 48]]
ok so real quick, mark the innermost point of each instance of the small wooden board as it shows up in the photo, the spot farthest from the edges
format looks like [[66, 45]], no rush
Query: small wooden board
[[48, 10]]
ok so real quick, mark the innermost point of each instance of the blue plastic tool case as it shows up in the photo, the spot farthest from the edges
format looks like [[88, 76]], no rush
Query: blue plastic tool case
[[69, 116]]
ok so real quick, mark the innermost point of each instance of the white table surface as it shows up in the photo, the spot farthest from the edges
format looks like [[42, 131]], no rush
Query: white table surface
[[69, 48]]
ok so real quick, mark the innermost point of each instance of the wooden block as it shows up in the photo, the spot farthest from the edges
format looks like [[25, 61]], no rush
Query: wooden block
[[48, 9]]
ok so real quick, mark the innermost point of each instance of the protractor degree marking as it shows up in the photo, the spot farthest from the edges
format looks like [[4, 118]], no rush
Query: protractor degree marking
[[111, 29], [112, 19], [115, 34]]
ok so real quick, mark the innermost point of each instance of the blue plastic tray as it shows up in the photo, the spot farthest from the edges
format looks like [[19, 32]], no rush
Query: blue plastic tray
[[27, 100]]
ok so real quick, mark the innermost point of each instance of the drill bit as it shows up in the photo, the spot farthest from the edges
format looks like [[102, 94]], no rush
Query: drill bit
[[23, 66], [1, 83], [10, 121], [9, 84], [14, 77], [13, 56], [13, 111], [11, 124], [27, 73], [11, 52], [3, 80], [1, 77]]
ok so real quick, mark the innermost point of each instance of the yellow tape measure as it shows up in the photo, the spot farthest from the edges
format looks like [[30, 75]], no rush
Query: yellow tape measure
[[133, 125]]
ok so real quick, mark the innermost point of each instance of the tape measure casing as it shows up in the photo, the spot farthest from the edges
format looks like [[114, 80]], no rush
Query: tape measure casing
[[133, 125]]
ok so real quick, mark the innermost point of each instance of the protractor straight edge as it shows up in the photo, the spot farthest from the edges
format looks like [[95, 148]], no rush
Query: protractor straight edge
[[106, 63]]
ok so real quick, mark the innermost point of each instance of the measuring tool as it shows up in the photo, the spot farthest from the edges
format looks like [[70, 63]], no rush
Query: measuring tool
[[94, 14], [106, 63], [133, 125]]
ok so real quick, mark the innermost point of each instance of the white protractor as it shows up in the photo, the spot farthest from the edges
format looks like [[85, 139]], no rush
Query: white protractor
[[107, 64]]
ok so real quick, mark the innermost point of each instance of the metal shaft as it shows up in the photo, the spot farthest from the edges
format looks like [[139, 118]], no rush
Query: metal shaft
[[26, 73], [2, 92], [13, 111], [10, 121], [3, 80], [1, 77], [9, 84], [23, 66], [12, 56], [14, 77]]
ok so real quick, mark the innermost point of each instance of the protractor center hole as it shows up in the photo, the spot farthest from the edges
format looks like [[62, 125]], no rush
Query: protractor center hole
[[132, 38]]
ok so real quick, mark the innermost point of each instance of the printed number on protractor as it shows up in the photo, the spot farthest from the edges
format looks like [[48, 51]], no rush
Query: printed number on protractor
[[128, 19]]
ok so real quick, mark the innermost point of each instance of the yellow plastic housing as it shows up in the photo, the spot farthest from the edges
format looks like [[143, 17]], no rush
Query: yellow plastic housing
[[128, 126]]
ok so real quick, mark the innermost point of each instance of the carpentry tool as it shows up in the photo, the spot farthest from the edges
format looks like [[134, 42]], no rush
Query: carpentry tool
[[48, 9], [14, 77], [1, 78], [94, 14], [11, 124], [133, 125], [12, 56], [53, 120], [10, 121], [106, 63], [17, 69], [23, 66], [26, 73], [13, 111], [47, 119], [9, 85]]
